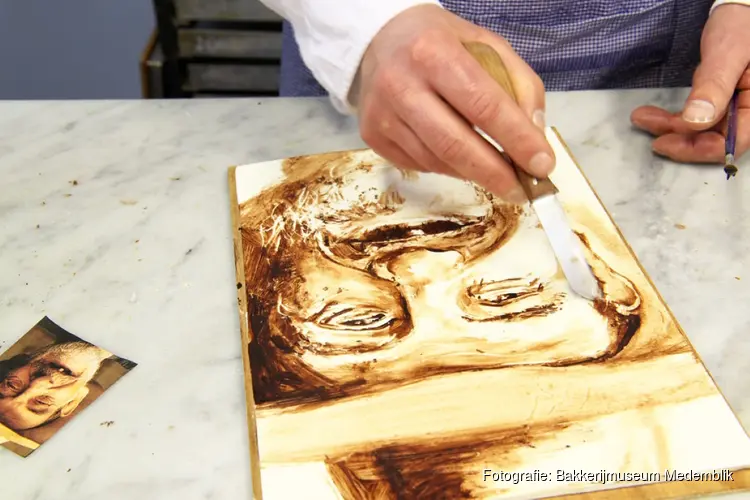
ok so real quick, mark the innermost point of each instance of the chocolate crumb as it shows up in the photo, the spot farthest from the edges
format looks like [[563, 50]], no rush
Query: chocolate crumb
[[680, 226], [74, 182], [239, 285]]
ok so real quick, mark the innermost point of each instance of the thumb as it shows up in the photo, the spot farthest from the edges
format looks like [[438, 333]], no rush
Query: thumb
[[714, 80]]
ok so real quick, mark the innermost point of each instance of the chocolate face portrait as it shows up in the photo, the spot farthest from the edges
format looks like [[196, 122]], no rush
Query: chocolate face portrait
[[408, 336], [380, 276]]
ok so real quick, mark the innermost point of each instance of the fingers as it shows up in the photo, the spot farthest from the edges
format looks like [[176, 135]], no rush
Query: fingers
[[469, 89], [527, 84], [703, 147], [392, 139], [724, 62], [392, 152], [744, 83], [454, 143], [656, 121], [400, 133], [372, 133]]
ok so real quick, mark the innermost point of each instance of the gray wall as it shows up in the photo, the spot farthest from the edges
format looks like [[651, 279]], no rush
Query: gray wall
[[72, 49]]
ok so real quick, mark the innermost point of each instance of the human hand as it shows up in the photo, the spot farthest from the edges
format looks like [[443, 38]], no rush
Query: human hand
[[420, 92], [696, 135]]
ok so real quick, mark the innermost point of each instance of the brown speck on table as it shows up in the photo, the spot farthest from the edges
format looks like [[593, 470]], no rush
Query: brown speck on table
[[137, 241], [44, 203], [737, 278], [37, 226], [174, 178], [108, 423], [239, 285], [74, 182], [706, 183], [67, 195], [680, 226], [68, 470]]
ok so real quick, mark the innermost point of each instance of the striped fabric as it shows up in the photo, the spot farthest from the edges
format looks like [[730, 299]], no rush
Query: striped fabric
[[572, 44]]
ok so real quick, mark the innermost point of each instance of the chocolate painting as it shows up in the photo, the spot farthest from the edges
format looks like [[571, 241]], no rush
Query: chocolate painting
[[410, 336]]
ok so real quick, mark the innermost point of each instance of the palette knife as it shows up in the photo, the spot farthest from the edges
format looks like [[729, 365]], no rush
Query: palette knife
[[542, 194]]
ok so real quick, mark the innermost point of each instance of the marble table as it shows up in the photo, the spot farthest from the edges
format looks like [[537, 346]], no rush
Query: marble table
[[137, 257]]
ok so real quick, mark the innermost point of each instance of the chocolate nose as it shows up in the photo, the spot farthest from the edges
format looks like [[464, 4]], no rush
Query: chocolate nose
[[419, 266]]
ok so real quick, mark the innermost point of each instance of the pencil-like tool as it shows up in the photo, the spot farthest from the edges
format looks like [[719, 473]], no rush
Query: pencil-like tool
[[729, 144], [542, 194]]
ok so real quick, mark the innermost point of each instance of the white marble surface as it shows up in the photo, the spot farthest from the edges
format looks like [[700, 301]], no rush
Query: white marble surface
[[139, 260]]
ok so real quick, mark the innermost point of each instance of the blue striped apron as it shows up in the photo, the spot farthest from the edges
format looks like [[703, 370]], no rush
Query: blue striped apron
[[571, 44]]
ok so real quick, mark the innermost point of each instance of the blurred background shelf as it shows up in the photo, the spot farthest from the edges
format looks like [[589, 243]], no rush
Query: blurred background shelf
[[212, 48]]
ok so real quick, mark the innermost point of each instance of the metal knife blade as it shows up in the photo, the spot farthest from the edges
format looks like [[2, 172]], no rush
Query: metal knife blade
[[567, 247], [542, 194], [565, 244]]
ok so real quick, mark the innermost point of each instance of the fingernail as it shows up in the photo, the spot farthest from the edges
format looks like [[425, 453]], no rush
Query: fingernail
[[515, 196], [538, 118], [699, 112], [541, 165]]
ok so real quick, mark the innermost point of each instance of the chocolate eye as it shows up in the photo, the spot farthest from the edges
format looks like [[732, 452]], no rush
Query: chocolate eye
[[502, 293], [355, 318]]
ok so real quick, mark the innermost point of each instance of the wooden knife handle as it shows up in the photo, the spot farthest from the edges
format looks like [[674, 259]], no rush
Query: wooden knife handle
[[493, 64]]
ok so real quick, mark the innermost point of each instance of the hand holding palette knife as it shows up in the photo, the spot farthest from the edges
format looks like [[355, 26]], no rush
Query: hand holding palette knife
[[542, 194]]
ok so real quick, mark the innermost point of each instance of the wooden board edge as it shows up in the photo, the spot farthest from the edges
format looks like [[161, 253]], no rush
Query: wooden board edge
[[143, 63], [239, 263], [628, 492]]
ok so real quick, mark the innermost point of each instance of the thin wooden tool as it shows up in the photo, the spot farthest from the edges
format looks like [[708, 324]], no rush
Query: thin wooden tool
[[729, 145], [542, 193]]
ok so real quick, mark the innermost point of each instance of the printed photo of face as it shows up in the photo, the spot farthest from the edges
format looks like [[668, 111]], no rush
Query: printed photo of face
[[401, 276], [48, 384]]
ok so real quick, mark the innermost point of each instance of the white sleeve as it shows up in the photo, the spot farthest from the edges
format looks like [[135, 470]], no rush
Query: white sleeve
[[333, 35], [724, 2]]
